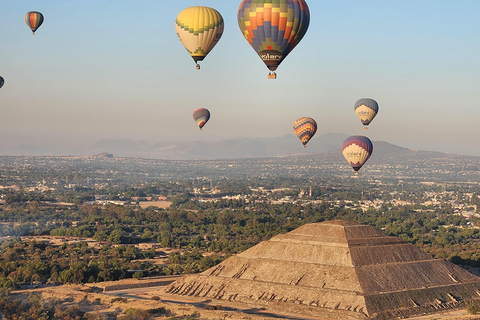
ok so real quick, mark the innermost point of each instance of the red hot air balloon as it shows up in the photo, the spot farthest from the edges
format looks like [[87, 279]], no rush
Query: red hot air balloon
[[201, 116], [305, 128], [273, 28], [357, 150], [34, 20]]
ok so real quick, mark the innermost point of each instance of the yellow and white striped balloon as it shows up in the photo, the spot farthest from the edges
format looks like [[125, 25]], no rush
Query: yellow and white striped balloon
[[199, 29]]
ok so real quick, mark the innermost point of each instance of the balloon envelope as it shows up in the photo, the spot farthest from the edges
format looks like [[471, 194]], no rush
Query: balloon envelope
[[199, 29], [201, 116], [305, 128], [2, 81], [34, 20], [357, 150], [366, 110], [273, 27]]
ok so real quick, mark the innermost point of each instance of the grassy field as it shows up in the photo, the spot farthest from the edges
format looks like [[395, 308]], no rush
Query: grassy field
[[160, 204]]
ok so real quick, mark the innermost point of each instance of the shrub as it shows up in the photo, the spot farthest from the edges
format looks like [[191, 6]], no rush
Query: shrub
[[473, 308], [137, 314], [160, 311]]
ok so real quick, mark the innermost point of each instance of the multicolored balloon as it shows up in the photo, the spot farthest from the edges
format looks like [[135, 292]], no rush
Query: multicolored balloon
[[2, 81], [366, 110], [273, 27], [305, 129], [199, 29], [34, 20], [201, 116], [357, 150]]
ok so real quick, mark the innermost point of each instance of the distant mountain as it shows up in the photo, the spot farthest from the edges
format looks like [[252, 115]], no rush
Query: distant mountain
[[254, 158], [226, 149], [327, 145], [237, 148], [387, 153]]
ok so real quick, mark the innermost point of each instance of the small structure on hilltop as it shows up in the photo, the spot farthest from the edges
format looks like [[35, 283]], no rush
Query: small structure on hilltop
[[335, 270]]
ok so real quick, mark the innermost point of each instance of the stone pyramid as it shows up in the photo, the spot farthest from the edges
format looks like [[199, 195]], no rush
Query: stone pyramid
[[335, 270]]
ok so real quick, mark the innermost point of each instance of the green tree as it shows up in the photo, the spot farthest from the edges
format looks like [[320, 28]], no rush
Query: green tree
[[137, 314], [138, 275]]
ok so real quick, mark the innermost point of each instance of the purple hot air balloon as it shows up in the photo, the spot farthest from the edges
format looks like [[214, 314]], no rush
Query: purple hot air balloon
[[357, 150]]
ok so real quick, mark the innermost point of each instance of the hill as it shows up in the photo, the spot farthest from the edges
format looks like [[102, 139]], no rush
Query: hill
[[237, 148], [387, 160]]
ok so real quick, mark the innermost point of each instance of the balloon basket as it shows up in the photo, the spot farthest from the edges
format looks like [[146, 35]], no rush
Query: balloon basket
[[197, 67], [366, 128], [272, 75]]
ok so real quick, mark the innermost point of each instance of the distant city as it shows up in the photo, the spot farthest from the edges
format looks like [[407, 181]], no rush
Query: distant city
[[408, 176], [91, 219]]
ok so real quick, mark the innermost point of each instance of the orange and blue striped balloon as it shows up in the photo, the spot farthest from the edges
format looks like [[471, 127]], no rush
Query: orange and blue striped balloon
[[273, 27], [305, 129], [34, 20]]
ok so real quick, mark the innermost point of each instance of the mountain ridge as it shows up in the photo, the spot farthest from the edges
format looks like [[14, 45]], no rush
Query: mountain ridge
[[244, 148], [232, 148], [223, 149]]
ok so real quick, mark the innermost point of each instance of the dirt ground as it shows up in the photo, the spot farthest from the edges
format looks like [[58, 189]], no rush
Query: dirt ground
[[113, 304], [452, 315], [160, 204], [92, 299]]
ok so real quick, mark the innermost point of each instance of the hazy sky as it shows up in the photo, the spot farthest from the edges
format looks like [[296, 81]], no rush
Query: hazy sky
[[115, 69]]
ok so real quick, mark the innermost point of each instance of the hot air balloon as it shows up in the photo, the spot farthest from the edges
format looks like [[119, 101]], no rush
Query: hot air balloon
[[366, 110], [273, 28], [199, 29], [2, 81], [357, 150], [305, 128], [34, 20], [201, 117]]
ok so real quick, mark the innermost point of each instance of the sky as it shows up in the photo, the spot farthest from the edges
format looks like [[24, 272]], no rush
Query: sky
[[115, 69]]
